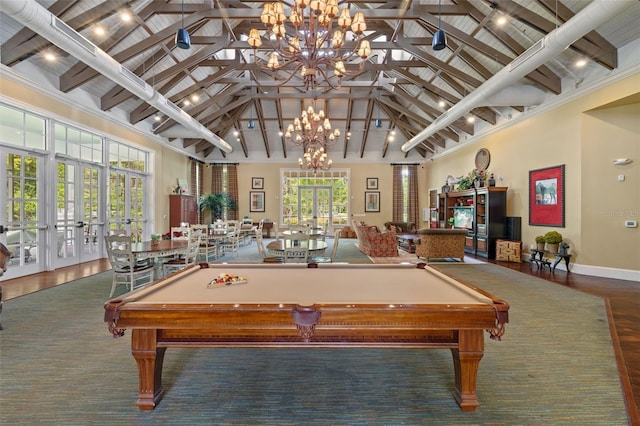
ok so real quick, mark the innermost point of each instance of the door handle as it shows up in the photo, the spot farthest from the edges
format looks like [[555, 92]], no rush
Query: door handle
[[128, 221], [79, 224]]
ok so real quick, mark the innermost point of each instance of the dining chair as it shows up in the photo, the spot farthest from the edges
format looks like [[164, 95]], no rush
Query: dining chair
[[296, 248], [334, 250], [263, 251], [208, 247], [125, 268], [232, 242], [188, 259]]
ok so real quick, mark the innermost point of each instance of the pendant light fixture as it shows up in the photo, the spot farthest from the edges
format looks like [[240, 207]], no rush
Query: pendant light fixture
[[183, 41], [439, 41], [378, 120]]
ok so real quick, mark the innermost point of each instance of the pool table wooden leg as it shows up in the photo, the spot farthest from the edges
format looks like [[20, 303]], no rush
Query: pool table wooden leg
[[466, 359], [149, 359]]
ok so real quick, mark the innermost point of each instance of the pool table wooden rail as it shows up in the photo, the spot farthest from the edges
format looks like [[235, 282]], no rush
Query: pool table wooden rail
[[157, 326]]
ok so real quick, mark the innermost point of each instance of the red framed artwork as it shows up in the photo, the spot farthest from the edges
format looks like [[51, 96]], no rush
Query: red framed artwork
[[546, 196]]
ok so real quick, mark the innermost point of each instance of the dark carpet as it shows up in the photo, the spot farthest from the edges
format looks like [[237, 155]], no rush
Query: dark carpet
[[555, 366]]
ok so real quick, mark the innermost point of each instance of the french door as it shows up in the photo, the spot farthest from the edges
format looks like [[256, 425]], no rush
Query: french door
[[23, 227], [79, 212], [315, 205], [127, 204]]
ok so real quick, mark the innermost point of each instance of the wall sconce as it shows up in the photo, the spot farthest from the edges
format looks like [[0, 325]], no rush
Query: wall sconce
[[622, 161]]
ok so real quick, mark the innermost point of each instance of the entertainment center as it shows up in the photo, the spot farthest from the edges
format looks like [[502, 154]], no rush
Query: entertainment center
[[482, 211]]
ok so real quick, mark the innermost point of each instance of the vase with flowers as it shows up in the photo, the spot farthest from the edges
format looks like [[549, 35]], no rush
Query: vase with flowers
[[478, 177]]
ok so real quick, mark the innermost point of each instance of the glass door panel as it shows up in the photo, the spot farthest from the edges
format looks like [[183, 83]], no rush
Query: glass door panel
[[79, 219], [127, 203], [22, 224]]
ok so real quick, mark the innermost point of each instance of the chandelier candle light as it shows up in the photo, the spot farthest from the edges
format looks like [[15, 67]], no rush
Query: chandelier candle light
[[313, 48], [311, 129], [315, 158]]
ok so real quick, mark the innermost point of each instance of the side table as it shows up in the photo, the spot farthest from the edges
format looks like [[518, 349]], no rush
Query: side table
[[538, 257]]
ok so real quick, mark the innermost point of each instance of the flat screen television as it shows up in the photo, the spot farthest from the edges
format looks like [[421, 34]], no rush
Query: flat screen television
[[463, 218]]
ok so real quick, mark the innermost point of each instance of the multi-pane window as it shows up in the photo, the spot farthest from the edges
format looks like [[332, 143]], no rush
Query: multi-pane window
[[21, 128], [80, 144], [127, 157]]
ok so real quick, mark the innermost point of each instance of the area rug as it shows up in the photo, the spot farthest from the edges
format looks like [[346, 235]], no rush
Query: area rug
[[555, 366]]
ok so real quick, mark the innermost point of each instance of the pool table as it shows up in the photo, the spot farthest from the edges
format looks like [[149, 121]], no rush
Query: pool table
[[308, 306]]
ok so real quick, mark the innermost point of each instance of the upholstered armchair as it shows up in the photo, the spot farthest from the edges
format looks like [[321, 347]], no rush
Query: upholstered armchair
[[374, 243], [441, 243], [401, 227]]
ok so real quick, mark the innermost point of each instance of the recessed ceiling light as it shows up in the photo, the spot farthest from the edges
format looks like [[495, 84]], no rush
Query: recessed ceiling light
[[442, 104], [581, 63], [50, 56], [501, 21], [471, 119], [98, 30], [125, 16], [195, 98], [186, 102]]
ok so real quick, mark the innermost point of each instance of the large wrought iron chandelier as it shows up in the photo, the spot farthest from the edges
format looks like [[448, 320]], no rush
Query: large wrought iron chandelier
[[313, 47], [315, 159], [311, 128]]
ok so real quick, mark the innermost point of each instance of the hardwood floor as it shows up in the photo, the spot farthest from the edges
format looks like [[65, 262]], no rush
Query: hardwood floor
[[623, 301]]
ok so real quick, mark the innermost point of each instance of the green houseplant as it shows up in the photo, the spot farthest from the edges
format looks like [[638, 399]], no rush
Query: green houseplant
[[553, 240], [540, 242], [217, 203]]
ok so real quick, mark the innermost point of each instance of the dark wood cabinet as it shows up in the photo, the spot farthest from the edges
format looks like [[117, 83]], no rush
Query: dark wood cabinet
[[484, 214], [182, 208]]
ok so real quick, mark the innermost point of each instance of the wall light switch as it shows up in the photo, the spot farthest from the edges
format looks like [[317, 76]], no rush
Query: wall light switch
[[630, 223], [620, 178]]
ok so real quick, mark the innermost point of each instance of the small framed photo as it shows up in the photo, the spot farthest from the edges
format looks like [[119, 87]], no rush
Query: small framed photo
[[256, 201], [372, 201], [372, 183], [257, 183]]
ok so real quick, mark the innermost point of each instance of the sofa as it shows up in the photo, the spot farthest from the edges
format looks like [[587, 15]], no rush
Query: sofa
[[441, 243], [374, 243], [401, 227]]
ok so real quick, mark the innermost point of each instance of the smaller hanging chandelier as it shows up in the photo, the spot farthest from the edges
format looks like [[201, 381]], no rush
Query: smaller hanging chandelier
[[311, 129], [315, 159]]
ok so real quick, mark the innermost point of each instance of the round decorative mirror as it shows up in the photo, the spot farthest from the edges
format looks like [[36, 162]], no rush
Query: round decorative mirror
[[483, 157]]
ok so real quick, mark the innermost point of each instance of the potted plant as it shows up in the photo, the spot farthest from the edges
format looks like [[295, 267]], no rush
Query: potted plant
[[540, 242], [450, 221], [217, 203], [553, 240]]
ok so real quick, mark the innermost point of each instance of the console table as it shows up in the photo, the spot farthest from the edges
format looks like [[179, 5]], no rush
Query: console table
[[538, 258]]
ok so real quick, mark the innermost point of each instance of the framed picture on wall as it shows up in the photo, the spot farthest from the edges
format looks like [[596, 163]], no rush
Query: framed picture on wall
[[372, 183], [257, 183], [372, 201], [256, 201], [546, 196]]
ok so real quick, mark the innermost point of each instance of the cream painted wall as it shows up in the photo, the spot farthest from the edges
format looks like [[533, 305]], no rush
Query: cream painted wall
[[584, 135], [586, 143], [162, 159]]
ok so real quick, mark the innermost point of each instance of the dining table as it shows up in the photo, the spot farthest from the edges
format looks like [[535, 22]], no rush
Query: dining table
[[316, 247], [160, 248]]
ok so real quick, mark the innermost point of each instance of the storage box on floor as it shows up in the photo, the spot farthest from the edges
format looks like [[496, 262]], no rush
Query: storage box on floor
[[347, 232]]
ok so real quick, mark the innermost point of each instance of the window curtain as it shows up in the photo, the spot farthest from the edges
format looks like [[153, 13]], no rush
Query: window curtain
[[412, 191], [232, 189], [196, 183], [398, 195]]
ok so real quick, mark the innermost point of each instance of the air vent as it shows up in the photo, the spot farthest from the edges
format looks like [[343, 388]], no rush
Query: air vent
[[174, 106], [132, 77], [528, 54], [71, 34]]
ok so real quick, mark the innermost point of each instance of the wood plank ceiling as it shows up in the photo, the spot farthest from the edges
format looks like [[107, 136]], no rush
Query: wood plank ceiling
[[404, 83]]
